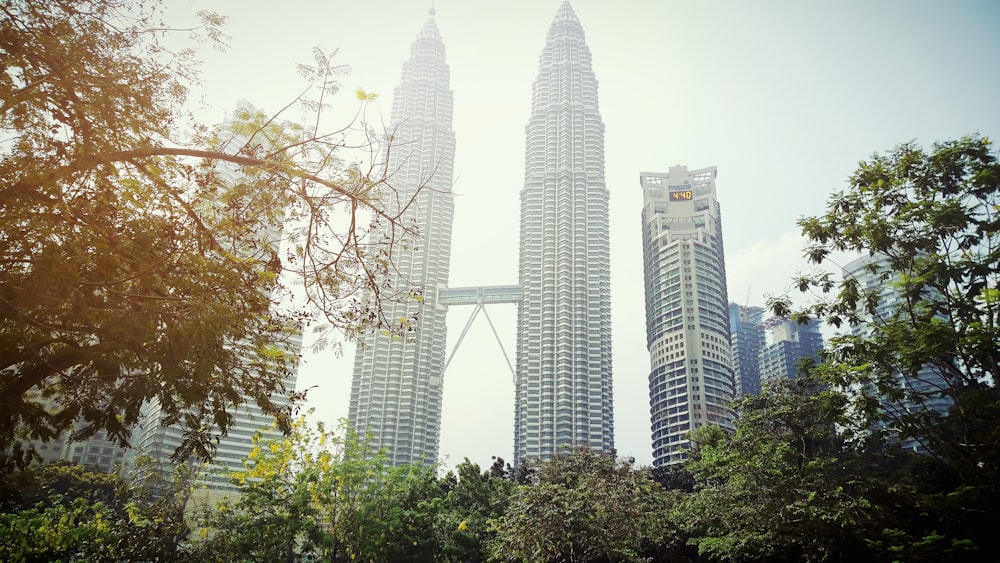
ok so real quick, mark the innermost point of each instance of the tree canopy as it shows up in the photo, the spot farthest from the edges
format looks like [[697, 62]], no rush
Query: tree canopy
[[142, 256], [787, 485], [585, 506], [929, 220]]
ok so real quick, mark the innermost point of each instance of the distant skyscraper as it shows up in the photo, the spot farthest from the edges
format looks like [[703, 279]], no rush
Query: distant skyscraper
[[396, 390], [747, 340], [789, 344], [158, 441], [563, 386], [153, 438], [927, 382], [687, 321]]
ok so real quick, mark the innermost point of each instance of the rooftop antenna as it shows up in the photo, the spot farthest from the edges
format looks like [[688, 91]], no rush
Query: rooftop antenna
[[748, 294], [433, 11]]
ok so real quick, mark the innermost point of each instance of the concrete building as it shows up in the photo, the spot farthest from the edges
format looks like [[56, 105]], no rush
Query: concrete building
[[158, 441], [788, 344], [747, 341], [396, 391], [562, 372], [691, 377], [563, 387]]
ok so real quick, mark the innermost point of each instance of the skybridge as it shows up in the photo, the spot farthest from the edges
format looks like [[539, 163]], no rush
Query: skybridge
[[479, 297]]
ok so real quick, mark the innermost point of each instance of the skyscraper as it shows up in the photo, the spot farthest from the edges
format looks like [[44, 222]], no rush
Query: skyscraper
[[747, 340], [922, 390], [396, 389], [687, 321], [563, 388], [158, 440], [789, 344]]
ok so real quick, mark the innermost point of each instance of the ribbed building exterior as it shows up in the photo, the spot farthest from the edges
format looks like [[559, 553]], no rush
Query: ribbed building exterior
[[563, 394], [98, 452], [687, 318], [156, 440], [747, 341], [396, 390], [788, 344]]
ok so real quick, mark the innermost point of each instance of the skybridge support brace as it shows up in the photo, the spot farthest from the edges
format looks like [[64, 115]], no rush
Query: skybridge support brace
[[480, 297]]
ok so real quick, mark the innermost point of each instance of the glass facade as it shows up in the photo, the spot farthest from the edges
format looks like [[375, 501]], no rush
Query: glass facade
[[747, 338]]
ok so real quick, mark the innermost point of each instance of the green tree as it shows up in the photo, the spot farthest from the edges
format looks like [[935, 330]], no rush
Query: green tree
[[293, 497], [787, 486], [322, 495], [69, 512], [932, 220], [585, 506], [138, 251], [474, 499]]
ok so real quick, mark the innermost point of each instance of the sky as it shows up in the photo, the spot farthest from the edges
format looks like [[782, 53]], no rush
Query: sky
[[784, 97]]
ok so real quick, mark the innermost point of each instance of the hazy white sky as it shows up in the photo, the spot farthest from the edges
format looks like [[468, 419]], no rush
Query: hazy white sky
[[784, 97]]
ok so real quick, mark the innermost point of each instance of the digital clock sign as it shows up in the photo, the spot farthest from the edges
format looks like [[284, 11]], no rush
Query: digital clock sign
[[681, 195]]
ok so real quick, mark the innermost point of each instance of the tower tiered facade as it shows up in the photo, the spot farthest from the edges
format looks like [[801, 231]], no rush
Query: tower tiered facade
[[687, 319], [563, 388], [396, 390], [156, 440]]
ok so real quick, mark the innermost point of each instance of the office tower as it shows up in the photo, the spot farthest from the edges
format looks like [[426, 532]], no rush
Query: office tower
[[156, 440], [563, 386], [923, 388], [687, 321], [396, 389], [747, 340], [788, 344]]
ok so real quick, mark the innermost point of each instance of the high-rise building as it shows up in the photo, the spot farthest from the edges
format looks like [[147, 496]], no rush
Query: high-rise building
[[155, 439], [687, 320], [789, 343], [747, 340], [563, 388], [97, 452], [158, 441], [875, 273], [396, 390]]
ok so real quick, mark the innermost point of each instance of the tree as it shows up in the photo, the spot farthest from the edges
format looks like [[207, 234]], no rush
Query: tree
[[69, 512], [474, 499], [322, 495], [287, 504], [139, 256], [586, 506], [787, 485], [931, 220]]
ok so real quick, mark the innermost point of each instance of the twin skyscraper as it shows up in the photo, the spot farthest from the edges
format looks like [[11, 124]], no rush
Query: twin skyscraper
[[563, 381]]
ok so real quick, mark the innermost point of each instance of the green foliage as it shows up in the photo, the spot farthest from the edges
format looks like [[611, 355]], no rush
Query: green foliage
[[787, 486], [930, 220], [61, 531], [324, 495], [474, 500], [585, 506], [68, 512], [139, 253]]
